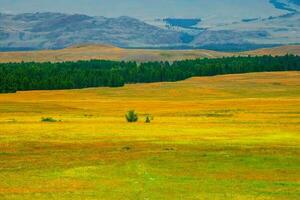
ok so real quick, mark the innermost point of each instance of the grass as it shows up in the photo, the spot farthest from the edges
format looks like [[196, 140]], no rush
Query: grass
[[88, 52], [223, 137]]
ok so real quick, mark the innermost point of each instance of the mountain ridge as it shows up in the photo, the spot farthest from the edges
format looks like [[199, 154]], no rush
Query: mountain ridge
[[55, 30]]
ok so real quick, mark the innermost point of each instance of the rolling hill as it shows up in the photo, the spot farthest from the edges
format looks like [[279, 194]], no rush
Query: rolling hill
[[57, 30], [108, 52], [276, 51]]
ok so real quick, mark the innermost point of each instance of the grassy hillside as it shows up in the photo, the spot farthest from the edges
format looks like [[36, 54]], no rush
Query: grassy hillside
[[87, 52], [209, 140], [276, 51]]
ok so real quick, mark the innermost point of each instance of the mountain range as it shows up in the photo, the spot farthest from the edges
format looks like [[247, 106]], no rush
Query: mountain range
[[52, 30]]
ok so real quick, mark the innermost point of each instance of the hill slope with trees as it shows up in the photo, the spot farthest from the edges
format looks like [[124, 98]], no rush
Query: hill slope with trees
[[96, 73]]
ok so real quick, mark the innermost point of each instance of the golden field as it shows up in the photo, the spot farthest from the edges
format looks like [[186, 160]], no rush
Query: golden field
[[108, 52], [231, 137]]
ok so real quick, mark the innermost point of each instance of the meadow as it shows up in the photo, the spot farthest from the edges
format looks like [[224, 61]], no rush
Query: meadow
[[108, 52], [231, 137]]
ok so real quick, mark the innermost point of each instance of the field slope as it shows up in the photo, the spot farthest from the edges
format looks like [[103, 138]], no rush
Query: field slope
[[209, 140], [107, 52], [276, 51]]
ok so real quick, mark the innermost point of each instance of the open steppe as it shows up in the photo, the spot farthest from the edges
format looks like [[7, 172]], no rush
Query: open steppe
[[107, 52], [209, 140]]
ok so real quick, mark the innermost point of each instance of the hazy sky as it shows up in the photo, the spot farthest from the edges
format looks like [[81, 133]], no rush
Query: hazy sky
[[145, 8]]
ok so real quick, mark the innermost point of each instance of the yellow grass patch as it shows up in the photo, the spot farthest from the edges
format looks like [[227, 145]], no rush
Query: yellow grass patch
[[107, 52], [223, 137]]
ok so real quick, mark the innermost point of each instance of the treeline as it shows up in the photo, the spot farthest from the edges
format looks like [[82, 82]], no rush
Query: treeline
[[82, 74]]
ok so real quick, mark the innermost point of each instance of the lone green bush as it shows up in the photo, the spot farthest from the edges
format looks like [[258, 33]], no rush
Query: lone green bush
[[48, 119], [131, 116], [148, 119]]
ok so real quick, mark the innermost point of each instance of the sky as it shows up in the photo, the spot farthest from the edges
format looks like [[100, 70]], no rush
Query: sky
[[146, 9]]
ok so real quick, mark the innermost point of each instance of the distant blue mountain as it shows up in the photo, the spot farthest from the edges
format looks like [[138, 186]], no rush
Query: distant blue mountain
[[226, 24]]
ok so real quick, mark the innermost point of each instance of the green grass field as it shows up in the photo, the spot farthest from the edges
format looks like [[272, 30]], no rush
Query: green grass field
[[230, 137]]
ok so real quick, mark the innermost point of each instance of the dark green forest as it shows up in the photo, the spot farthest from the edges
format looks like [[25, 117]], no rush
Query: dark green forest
[[95, 73]]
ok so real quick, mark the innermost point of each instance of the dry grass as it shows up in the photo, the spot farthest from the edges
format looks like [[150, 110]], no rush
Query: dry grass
[[277, 51], [223, 137], [88, 52]]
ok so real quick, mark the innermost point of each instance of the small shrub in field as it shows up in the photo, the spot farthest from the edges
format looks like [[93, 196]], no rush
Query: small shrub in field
[[148, 119], [126, 148], [48, 119], [131, 116]]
